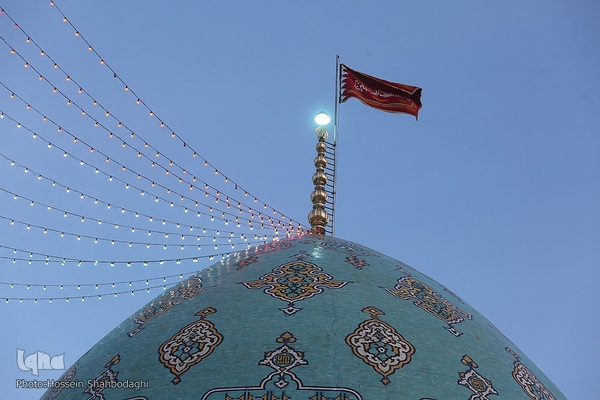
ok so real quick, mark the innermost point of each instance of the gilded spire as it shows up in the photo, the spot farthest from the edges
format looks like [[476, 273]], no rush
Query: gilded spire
[[318, 217]]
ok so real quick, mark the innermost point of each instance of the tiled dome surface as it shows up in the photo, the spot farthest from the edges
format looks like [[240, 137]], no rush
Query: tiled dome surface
[[309, 318]]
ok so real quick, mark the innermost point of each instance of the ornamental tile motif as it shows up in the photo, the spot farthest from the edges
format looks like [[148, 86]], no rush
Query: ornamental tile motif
[[301, 255], [283, 359], [192, 344], [471, 379], [343, 247], [293, 282], [57, 388], [109, 377], [282, 383], [187, 290], [424, 297], [380, 345], [359, 263], [530, 384], [244, 262], [252, 256]]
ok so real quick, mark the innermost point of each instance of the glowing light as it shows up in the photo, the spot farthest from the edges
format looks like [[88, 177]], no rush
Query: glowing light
[[322, 119]]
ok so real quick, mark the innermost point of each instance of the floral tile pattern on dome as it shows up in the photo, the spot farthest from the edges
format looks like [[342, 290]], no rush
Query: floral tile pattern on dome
[[185, 290], [283, 359], [301, 255], [424, 297], [244, 262], [359, 263], [58, 387], [471, 379], [530, 384], [380, 345], [282, 383], [293, 282], [192, 344], [107, 378]]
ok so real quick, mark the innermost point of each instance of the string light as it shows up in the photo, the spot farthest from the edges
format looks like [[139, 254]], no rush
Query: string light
[[67, 299], [112, 263], [97, 169], [99, 221], [89, 237], [107, 158], [126, 86], [139, 153]]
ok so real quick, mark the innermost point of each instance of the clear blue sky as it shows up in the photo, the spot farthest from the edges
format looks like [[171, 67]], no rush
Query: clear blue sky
[[494, 192]]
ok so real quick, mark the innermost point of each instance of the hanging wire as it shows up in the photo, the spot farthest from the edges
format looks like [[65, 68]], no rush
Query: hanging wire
[[125, 168], [109, 205], [130, 243], [112, 263], [82, 298], [140, 176], [150, 218], [55, 259], [97, 285], [140, 101], [217, 196], [127, 89]]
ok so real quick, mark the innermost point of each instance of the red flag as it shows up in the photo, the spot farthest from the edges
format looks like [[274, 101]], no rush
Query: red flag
[[383, 95]]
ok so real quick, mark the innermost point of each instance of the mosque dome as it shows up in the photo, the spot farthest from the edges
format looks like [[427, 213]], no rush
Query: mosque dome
[[308, 317]]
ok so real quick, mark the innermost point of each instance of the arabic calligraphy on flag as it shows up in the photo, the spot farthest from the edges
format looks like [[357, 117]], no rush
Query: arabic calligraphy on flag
[[378, 93]]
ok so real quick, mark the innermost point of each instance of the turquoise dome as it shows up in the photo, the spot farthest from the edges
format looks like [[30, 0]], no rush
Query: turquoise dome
[[311, 317]]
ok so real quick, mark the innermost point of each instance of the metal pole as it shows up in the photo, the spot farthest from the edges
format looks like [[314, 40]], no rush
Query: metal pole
[[335, 138]]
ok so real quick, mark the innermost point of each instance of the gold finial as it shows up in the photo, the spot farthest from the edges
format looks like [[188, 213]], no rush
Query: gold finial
[[318, 217]]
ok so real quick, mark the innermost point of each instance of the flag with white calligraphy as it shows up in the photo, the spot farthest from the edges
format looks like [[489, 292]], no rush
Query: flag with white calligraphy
[[378, 93]]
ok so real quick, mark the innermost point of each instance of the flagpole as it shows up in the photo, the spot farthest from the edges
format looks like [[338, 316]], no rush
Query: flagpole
[[335, 138]]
